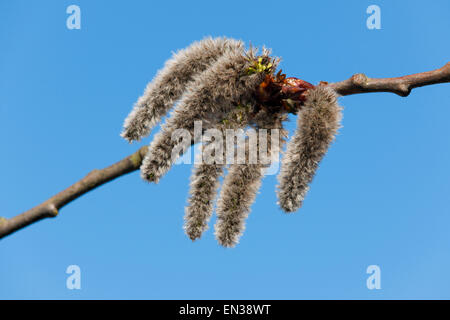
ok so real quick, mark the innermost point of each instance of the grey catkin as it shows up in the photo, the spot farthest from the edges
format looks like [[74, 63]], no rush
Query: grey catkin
[[171, 81], [204, 186], [203, 190], [240, 188], [237, 195], [208, 98], [205, 179], [317, 124]]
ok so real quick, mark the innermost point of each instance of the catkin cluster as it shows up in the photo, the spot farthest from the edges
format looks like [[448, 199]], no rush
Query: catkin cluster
[[216, 81]]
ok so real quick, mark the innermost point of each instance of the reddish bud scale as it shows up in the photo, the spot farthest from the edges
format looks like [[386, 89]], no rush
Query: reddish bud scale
[[276, 91]]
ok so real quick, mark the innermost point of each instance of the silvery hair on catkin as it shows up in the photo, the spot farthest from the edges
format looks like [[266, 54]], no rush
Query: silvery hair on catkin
[[171, 81], [210, 97], [241, 185], [317, 124]]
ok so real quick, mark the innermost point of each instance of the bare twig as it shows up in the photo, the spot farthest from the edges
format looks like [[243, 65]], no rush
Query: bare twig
[[50, 208], [358, 83]]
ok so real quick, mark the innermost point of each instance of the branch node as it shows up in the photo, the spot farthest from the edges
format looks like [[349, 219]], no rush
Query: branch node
[[136, 159], [360, 80], [403, 89], [93, 172], [3, 220], [52, 211]]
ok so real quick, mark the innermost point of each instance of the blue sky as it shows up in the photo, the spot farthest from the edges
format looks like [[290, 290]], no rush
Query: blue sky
[[379, 198]]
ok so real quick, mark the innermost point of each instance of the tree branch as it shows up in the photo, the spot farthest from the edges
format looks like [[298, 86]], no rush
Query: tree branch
[[50, 208], [358, 83]]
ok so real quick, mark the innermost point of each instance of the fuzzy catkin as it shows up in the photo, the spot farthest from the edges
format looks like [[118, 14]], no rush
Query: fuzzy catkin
[[317, 124], [205, 179], [171, 81], [240, 188], [209, 98], [237, 195], [203, 191], [204, 186]]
